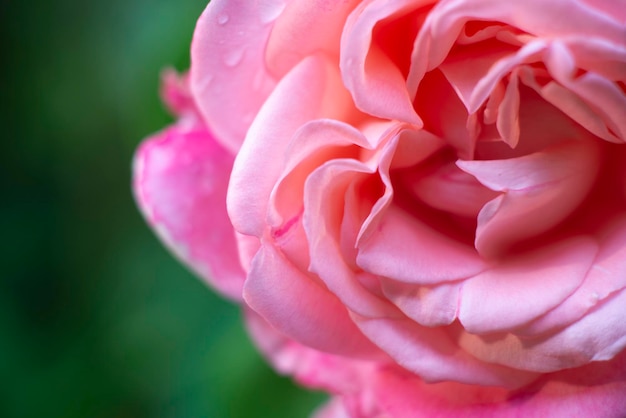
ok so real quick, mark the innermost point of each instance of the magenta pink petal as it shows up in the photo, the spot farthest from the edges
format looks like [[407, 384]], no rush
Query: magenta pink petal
[[487, 298], [595, 390], [311, 368], [180, 182]]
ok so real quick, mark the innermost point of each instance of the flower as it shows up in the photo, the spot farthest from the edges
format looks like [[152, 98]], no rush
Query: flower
[[427, 198]]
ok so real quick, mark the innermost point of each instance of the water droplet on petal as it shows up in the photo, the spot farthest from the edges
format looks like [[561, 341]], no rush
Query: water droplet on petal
[[222, 19], [271, 10], [233, 57]]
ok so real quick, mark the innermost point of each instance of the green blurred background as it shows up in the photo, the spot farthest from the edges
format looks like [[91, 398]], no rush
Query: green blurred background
[[96, 318]]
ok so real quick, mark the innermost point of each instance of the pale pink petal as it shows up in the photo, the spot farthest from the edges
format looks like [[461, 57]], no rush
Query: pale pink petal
[[313, 144], [408, 250], [540, 190], [598, 336], [431, 306], [312, 90], [301, 308], [535, 283], [180, 182], [324, 209], [297, 33], [432, 354], [376, 83], [606, 276], [508, 122], [605, 97], [229, 79], [444, 114], [445, 23], [442, 185]]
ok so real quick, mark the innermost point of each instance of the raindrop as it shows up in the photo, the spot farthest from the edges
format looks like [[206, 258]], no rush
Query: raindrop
[[271, 10], [222, 19], [233, 57]]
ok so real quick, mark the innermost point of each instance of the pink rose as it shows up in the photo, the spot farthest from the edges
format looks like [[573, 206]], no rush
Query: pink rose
[[428, 199]]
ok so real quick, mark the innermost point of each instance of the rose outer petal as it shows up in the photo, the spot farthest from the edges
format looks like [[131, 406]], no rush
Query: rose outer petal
[[596, 390], [229, 79], [180, 182]]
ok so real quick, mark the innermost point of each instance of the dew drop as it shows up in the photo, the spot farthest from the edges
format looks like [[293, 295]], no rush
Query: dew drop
[[222, 19], [270, 10], [233, 57]]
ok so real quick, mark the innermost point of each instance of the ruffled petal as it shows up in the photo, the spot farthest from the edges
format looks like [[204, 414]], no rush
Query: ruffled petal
[[312, 90], [539, 191], [535, 283], [324, 210], [433, 355], [606, 277], [598, 336], [377, 85], [408, 250]]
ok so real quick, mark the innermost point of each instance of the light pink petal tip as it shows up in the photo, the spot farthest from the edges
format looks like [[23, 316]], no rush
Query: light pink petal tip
[[180, 181]]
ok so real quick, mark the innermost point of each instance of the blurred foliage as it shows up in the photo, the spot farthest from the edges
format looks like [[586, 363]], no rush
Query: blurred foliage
[[96, 318]]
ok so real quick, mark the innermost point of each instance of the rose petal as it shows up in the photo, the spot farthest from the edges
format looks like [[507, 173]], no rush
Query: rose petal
[[535, 283], [434, 356], [446, 20], [595, 390], [376, 83], [312, 90], [540, 190], [180, 181], [431, 306], [598, 336], [605, 97], [324, 209], [606, 276], [297, 33], [301, 308], [408, 250], [229, 79]]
